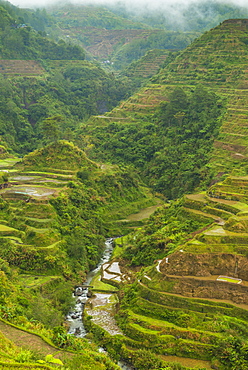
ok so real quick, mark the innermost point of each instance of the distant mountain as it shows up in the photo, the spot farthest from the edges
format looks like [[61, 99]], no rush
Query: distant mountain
[[193, 16], [76, 16], [113, 39]]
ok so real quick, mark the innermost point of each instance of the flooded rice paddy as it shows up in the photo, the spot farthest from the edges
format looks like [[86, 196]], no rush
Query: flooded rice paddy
[[32, 191]]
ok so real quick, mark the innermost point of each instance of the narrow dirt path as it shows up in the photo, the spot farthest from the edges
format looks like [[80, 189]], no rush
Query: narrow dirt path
[[30, 341]]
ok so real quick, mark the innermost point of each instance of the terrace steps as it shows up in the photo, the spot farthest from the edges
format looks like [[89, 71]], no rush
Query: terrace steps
[[21, 67], [177, 325]]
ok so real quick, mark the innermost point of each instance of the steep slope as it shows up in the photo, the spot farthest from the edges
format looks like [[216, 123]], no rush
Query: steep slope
[[57, 208], [217, 61], [147, 66], [55, 201], [19, 41], [20, 349], [46, 83], [191, 302], [112, 39]]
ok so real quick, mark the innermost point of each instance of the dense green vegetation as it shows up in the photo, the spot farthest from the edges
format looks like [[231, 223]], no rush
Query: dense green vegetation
[[57, 206], [172, 150], [19, 41], [168, 228], [38, 19], [176, 306], [144, 68], [165, 327], [172, 307], [58, 237], [222, 73], [135, 49], [51, 240], [34, 108]]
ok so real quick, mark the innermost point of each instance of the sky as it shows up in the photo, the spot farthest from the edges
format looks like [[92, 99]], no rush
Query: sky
[[129, 3]]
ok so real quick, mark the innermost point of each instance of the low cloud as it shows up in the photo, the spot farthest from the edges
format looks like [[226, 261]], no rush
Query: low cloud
[[130, 4]]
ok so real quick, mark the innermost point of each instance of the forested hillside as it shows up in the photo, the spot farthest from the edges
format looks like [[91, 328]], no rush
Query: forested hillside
[[170, 147], [47, 87], [57, 208], [56, 205], [19, 41]]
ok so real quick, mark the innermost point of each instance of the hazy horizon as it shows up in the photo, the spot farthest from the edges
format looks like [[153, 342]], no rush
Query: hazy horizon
[[128, 3]]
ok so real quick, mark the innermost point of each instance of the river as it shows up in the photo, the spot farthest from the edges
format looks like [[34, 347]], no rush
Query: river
[[74, 318]]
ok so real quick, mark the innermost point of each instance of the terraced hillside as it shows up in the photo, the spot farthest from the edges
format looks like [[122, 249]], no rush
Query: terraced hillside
[[100, 43], [28, 220], [217, 60], [191, 307], [40, 197], [147, 66], [53, 223], [20, 68], [21, 349], [191, 303], [112, 39], [98, 29]]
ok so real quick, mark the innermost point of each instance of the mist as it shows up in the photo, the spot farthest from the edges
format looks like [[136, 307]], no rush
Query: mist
[[129, 4]]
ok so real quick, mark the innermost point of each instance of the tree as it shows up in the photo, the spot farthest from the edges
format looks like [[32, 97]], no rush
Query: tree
[[50, 128]]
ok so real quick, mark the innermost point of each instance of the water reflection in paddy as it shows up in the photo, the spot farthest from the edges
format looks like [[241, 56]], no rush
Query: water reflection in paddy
[[36, 179], [30, 190]]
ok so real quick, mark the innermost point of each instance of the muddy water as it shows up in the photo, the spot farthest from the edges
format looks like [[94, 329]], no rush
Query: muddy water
[[35, 179]]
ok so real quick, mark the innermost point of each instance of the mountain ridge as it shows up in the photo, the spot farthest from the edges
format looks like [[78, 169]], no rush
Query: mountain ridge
[[224, 76]]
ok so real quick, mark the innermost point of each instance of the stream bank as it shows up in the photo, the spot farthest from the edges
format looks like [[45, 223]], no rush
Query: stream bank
[[102, 316], [81, 295], [102, 304], [111, 271]]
